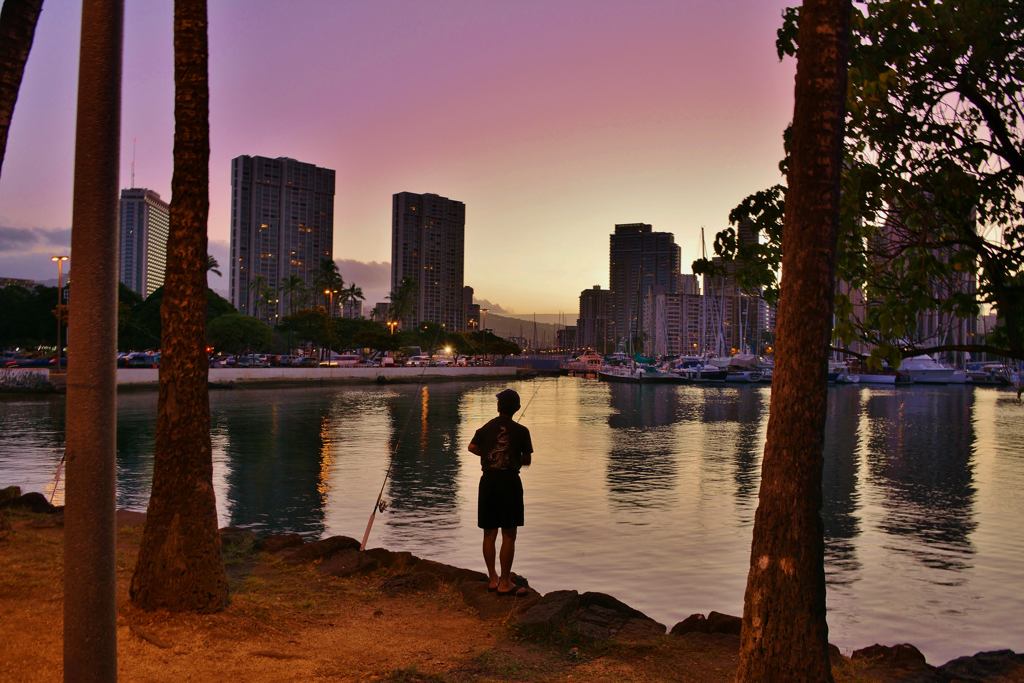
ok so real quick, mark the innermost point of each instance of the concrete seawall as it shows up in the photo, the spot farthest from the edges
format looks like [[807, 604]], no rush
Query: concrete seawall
[[131, 378]]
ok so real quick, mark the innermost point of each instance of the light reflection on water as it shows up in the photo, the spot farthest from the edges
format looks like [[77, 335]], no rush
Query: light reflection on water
[[647, 493]]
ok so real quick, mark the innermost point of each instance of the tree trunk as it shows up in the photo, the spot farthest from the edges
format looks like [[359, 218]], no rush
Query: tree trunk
[[179, 567], [18, 21], [785, 635]]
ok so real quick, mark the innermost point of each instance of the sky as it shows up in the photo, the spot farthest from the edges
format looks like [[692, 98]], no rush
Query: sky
[[552, 120]]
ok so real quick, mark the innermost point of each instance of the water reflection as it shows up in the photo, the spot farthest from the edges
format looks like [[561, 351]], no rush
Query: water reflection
[[840, 500], [423, 490], [920, 454], [642, 462], [273, 450]]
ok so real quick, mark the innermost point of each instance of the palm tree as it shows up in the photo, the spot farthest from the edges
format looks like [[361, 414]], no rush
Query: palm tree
[[351, 293], [179, 566], [212, 266], [17, 28], [291, 286], [403, 300], [256, 287], [327, 278]]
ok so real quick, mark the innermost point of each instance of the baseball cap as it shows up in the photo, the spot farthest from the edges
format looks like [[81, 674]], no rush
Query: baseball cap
[[508, 399]]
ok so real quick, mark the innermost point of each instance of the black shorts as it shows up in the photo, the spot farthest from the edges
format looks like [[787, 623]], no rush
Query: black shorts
[[500, 503]]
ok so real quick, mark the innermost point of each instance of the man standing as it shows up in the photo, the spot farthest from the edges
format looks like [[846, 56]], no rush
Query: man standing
[[504, 448]]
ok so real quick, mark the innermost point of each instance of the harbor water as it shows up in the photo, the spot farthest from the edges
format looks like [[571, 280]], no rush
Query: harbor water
[[644, 492]]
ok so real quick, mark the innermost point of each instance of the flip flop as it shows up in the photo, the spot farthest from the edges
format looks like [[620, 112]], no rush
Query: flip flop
[[517, 592], [492, 589]]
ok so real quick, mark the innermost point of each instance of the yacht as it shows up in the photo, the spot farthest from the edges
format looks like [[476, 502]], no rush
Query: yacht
[[927, 370]]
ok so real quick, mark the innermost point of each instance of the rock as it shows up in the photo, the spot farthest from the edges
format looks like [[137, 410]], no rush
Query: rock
[[448, 573], [392, 561], [317, 550], [724, 623], [900, 656], [835, 655], [599, 622], [489, 606], [129, 518], [612, 603], [639, 631], [902, 663], [985, 666], [403, 584], [695, 623], [548, 613], [9, 493], [236, 538], [347, 562], [275, 543], [33, 502]]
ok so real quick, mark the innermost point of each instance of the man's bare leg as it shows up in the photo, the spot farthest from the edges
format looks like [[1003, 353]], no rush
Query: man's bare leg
[[508, 553], [490, 536]]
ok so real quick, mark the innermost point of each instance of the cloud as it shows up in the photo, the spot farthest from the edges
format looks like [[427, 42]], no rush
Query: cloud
[[373, 277], [493, 308], [27, 240]]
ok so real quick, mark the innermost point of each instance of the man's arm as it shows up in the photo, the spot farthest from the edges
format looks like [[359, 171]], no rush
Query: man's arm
[[527, 459], [474, 449]]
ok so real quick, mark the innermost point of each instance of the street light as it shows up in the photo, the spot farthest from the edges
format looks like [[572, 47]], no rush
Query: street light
[[391, 324], [331, 293], [60, 286]]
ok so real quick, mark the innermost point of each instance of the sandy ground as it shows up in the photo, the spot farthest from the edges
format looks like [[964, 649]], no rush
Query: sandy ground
[[288, 623]]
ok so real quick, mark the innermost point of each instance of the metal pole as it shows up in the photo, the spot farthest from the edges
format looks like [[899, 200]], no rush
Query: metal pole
[[60, 282], [90, 595]]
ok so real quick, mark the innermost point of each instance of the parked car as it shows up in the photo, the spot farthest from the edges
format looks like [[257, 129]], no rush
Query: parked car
[[305, 362], [143, 360]]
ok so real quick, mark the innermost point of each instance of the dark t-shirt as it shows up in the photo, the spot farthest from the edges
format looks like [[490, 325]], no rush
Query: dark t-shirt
[[502, 444]]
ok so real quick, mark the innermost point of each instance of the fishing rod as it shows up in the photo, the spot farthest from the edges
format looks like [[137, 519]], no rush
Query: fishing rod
[[379, 504], [56, 478]]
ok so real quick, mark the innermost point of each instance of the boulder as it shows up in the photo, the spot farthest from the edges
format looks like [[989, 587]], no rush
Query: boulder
[[318, 550], [275, 543], [403, 584], [695, 623], [392, 561], [347, 562], [901, 656], [599, 622], [9, 492], [448, 573], [32, 502], [985, 666], [236, 538], [490, 606], [724, 623], [608, 602], [548, 613], [639, 631], [902, 663]]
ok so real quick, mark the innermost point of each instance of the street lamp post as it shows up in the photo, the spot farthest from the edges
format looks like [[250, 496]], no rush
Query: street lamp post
[[60, 286], [330, 310], [391, 325]]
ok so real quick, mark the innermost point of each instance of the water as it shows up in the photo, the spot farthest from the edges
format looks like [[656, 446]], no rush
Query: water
[[647, 493]]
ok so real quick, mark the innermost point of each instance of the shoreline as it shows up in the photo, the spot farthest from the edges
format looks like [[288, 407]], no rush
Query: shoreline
[[577, 635], [27, 381]]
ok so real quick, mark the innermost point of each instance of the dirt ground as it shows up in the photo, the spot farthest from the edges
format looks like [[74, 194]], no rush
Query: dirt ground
[[291, 623]]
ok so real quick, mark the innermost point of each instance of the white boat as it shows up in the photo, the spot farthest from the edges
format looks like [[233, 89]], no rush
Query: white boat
[[927, 370], [641, 374]]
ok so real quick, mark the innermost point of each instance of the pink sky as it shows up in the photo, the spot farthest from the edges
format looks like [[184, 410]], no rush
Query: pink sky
[[552, 120]]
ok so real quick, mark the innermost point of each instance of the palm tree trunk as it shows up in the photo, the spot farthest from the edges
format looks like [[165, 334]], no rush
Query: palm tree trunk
[[785, 634], [90, 553], [179, 566], [18, 21]]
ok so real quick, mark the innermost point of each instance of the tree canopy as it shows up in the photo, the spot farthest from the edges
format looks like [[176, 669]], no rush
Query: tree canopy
[[933, 178]]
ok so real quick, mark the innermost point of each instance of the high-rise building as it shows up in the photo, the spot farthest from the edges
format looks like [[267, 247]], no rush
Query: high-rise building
[[639, 260], [428, 247], [592, 329], [145, 221], [471, 312], [282, 224]]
